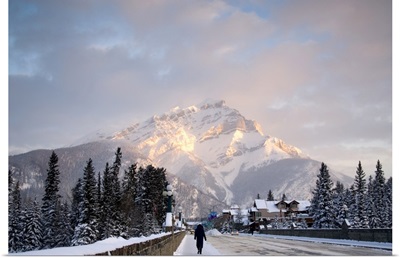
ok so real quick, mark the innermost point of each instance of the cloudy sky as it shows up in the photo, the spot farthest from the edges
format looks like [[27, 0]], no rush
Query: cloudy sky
[[317, 74]]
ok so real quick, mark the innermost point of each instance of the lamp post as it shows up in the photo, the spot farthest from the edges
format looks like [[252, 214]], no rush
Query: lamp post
[[345, 224], [180, 216], [168, 218], [345, 209]]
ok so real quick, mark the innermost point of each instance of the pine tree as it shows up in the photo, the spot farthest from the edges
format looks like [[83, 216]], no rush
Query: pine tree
[[106, 223], [32, 232], [160, 205], [115, 174], [339, 206], [284, 197], [143, 202], [379, 193], [15, 237], [77, 198], [373, 220], [321, 204], [99, 208], [150, 200], [116, 220], [270, 196], [10, 189], [64, 231], [50, 200], [128, 201], [387, 200], [86, 230], [10, 204], [360, 219]]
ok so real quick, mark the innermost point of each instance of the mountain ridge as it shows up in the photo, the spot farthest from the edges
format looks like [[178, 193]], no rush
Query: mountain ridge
[[217, 150]]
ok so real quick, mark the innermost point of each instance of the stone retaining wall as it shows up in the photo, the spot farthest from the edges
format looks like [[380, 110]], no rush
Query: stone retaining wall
[[165, 245], [373, 235]]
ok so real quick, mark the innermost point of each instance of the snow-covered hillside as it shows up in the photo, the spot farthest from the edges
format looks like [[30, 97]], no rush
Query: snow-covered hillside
[[209, 145]]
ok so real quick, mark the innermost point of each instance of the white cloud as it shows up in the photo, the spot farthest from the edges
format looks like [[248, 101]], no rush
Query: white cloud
[[296, 67]]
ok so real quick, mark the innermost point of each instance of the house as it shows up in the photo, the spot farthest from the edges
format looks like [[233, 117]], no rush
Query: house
[[268, 210], [236, 214]]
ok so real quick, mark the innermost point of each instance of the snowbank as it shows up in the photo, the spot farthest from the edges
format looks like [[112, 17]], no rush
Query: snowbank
[[105, 245], [213, 232]]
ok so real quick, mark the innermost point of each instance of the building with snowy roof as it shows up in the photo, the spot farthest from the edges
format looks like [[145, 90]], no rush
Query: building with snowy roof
[[236, 214], [267, 210]]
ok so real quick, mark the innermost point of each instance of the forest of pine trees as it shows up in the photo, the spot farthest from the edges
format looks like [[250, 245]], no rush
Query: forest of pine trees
[[104, 207], [101, 207], [364, 204]]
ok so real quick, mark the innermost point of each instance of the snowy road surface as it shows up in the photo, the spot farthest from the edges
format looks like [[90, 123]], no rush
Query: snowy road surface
[[188, 247], [268, 245]]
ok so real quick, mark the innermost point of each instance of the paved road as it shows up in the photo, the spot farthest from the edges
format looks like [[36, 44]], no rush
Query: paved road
[[256, 245]]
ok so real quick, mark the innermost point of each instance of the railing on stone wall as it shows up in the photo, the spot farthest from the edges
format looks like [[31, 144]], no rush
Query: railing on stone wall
[[373, 235], [165, 245]]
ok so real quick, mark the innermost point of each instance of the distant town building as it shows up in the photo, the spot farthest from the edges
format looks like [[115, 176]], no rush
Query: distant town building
[[268, 210], [236, 214]]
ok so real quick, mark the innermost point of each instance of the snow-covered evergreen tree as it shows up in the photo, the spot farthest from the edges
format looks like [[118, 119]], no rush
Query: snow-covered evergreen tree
[[99, 207], [15, 221], [142, 202], [116, 195], [270, 196], [50, 200], [339, 206], [128, 202], [373, 220], [387, 200], [321, 203], [86, 231], [32, 231], [350, 200], [378, 194], [77, 198], [106, 222], [150, 200], [64, 226], [10, 189], [159, 202], [360, 217]]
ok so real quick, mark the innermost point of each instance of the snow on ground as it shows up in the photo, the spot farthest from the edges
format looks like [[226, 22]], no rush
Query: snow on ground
[[108, 244], [379, 245], [213, 232], [188, 247]]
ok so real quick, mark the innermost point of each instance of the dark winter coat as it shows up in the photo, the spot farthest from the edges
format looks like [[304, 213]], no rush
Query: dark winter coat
[[199, 235]]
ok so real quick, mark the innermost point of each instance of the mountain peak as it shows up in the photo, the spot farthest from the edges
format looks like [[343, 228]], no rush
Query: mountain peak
[[211, 103]]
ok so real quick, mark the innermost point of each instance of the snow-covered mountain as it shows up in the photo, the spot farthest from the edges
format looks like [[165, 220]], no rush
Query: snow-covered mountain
[[209, 146], [30, 169], [212, 146]]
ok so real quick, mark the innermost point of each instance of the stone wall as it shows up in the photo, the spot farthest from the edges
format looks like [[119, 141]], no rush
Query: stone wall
[[374, 235], [165, 245]]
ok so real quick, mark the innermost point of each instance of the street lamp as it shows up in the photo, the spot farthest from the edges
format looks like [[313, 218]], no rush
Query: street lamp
[[345, 222], [180, 216], [345, 209], [168, 218]]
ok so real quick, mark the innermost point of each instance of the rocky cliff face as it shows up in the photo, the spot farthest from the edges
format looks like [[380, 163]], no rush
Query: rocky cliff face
[[209, 146]]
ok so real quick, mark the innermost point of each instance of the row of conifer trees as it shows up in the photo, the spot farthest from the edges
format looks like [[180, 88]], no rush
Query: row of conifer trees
[[104, 207], [101, 207], [365, 204]]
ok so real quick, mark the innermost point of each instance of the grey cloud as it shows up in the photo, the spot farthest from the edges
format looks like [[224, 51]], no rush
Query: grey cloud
[[323, 67]]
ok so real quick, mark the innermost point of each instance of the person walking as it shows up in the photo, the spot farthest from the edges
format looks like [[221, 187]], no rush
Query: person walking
[[252, 227], [198, 236]]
